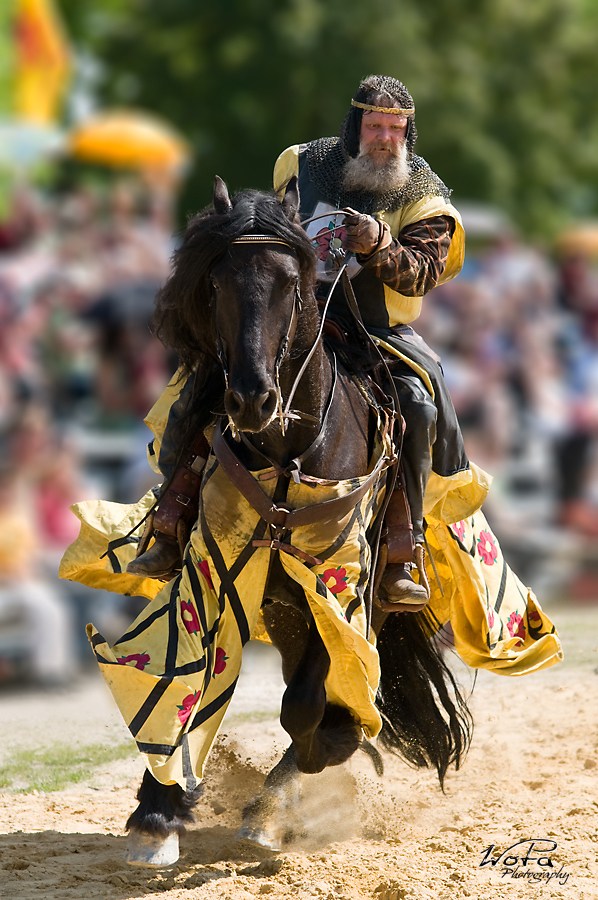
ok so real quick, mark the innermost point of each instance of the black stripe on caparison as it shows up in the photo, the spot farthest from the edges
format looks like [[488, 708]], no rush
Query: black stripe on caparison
[[122, 542], [173, 631], [340, 540], [364, 573], [114, 562], [148, 706], [202, 715], [191, 668], [225, 579], [320, 587], [502, 628], [96, 640], [156, 749], [248, 551], [353, 605], [501, 591], [129, 635], [115, 545]]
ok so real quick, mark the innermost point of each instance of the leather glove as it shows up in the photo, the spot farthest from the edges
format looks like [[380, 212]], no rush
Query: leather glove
[[362, 233]]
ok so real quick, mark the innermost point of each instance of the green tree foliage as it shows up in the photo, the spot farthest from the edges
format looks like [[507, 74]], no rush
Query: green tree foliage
[[505, 90], [6, 59]]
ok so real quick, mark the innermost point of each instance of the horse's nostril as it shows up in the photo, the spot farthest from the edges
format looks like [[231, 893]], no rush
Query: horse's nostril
[[233, 402], [250, 411], [268, 403]]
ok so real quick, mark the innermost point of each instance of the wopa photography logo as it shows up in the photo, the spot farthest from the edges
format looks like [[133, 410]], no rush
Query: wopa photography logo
[[530, 859]]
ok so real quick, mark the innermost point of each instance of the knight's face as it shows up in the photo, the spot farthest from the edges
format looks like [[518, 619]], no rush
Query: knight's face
[[382, 135]]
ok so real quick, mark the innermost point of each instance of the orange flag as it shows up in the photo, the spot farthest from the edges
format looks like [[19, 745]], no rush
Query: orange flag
[[42, 61]]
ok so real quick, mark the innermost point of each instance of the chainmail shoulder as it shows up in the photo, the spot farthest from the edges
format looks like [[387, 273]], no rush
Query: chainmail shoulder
[[326, 159]]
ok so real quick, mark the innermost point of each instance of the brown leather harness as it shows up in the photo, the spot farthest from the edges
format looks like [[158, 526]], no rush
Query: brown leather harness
[[281, 517]]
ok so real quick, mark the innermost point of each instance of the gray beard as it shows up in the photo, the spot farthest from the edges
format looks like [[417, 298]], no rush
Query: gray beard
[[361, 173]]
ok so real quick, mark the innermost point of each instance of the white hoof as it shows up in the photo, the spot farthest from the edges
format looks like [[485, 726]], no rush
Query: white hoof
[[151, 851], [259, 835]]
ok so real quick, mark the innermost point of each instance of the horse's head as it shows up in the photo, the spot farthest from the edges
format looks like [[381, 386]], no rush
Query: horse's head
[[235, 293], [256, 290]]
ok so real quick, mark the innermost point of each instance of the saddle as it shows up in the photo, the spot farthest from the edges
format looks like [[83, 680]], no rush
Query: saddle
[[397, 532]]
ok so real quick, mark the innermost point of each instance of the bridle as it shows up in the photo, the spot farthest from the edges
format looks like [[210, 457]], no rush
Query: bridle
[[283, 414]]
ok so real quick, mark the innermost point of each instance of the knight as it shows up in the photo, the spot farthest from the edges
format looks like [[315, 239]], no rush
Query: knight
[[366, 197]]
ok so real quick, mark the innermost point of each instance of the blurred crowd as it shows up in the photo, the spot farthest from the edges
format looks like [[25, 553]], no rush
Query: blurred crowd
[[518, 337], [79, 369]]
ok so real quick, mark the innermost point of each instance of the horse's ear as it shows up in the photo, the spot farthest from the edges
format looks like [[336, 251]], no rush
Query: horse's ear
[[290, 202], [221, 201]]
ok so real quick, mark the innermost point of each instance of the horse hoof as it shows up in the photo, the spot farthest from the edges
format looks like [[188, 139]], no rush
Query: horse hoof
[[259, 836], [151, 851]]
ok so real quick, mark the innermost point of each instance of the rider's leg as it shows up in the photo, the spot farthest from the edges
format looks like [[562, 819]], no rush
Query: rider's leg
[[419, 412], [181, 462], [173, 519]]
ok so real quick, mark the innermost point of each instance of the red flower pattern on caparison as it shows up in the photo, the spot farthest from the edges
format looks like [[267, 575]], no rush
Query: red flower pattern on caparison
[[534, 618], [188, 704], [190, 617], [139, 660], [204, 568], [516, 626], [459, 529], [487, 547], [220, 661], [337, 578]]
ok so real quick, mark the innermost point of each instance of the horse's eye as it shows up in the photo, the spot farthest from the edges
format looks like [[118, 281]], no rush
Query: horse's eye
[[214, 285]]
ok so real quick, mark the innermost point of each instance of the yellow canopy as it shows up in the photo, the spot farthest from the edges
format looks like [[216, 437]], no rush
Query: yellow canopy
[[129, 138], [580, 239]]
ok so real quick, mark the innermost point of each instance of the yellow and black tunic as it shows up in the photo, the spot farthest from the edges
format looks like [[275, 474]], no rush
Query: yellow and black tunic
[[427, 250]]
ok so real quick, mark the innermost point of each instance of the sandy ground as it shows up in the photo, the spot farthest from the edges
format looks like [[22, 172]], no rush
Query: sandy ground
[[532, 773]]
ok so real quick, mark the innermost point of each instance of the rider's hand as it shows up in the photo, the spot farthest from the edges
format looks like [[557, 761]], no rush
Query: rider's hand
[[362, 233]]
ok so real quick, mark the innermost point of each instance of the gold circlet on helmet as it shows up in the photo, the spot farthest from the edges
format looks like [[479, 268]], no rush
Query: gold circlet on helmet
[[384, 109]]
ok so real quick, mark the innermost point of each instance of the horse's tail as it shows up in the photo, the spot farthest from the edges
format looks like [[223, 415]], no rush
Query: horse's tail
[[422, 722]]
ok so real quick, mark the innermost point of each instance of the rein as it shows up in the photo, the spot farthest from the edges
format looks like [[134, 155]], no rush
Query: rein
[[281, 518], [394, 400], [294, 466]]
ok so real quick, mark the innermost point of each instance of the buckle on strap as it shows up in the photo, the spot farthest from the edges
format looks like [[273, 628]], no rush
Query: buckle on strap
[[288, 548]]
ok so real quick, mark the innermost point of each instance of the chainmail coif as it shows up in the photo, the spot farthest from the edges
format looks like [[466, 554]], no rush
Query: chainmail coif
[[326, 157]]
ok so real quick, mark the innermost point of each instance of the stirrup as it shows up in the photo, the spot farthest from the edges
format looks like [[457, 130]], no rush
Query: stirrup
[[161, 560], [398, 592]]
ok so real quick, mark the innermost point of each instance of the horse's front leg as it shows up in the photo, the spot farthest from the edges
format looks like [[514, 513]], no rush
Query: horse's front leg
[[154, 827], [323, 734], [263, 817]]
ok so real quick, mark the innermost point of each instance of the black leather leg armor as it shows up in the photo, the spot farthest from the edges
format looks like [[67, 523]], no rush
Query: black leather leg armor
[[419, 412]]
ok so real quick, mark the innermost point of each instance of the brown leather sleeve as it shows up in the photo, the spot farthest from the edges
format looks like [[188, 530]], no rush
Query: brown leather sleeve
[[416, 259]]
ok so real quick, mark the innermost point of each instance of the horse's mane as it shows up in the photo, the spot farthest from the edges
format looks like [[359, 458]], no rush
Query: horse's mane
[[183, 317]]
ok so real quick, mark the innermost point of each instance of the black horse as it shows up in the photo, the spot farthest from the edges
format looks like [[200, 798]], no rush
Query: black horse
[[241, 299]]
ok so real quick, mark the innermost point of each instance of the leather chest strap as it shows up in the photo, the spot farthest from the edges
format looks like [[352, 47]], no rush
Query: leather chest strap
[[284, 516]]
